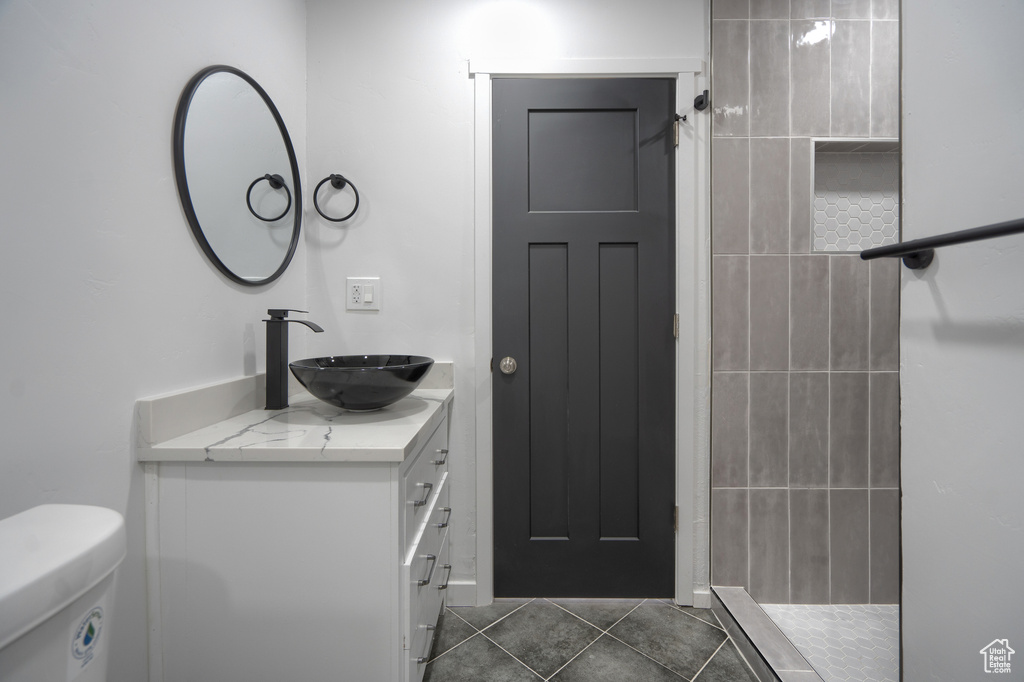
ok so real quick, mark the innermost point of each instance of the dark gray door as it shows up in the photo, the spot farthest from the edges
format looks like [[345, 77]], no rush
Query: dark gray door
[[583, 301]]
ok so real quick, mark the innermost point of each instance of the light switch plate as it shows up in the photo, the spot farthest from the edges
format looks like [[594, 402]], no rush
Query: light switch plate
[[362, 293]]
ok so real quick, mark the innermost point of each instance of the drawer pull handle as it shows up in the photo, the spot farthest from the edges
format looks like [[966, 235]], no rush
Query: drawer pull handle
[[430, 644], [444, 524], [427, 487], [444, 458], [430, 576], [444, 585]]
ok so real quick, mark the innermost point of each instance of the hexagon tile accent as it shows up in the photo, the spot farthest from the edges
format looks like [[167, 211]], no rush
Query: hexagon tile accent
[[856, 200], [844, 642]]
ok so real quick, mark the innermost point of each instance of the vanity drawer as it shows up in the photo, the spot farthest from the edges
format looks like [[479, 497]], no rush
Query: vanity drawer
[[421, 483], [425, 604], [438, 519]]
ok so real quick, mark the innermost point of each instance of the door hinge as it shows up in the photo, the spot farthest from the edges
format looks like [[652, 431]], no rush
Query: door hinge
[[675, 127], [675, 519], [492, 365], [675, 326]]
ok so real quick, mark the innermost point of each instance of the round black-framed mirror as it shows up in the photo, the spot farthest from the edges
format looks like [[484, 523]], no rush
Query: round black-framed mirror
[[237, 175]]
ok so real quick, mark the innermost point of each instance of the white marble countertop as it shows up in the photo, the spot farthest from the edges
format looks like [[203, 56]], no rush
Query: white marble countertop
[[310, 431], [225, 422]]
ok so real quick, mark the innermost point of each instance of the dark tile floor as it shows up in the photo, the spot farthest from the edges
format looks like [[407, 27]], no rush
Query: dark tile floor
[[578, 639]]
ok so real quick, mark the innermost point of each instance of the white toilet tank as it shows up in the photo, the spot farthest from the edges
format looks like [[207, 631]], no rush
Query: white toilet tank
[[57, 566]]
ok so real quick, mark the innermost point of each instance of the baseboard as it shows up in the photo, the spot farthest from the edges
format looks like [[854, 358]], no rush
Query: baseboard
[[702, 600], [462, 593]]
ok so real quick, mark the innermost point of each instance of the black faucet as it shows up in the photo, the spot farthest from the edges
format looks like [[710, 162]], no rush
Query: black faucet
[[277, 355]]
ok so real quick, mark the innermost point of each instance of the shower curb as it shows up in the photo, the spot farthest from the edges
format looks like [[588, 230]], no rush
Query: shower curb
[[770, 654]]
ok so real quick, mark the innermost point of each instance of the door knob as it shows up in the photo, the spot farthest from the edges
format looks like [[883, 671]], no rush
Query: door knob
[[507, 365]]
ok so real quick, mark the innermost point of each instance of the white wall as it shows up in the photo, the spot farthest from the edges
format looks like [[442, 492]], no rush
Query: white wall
[[110, 299], [962, 338], [107, 296], [390, 105]]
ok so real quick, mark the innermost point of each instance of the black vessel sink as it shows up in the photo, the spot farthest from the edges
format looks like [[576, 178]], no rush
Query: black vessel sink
[[361, 382]]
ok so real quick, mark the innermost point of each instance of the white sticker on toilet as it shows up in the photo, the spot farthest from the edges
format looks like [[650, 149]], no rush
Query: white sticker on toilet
[[86, 639]]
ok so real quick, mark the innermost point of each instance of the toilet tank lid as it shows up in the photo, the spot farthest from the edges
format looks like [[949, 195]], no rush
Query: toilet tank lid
[[49, 556]]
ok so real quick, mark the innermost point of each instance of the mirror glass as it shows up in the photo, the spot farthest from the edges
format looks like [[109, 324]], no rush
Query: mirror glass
[[237, 176]]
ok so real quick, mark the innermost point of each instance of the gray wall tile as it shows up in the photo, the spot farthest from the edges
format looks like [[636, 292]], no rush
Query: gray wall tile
[[769, 429], [885, 9], [769, 9], [848, 431], [729, 531], [849, 328], [800, 192], [731, 76], [730, 298], [848, 541], [809, 322], [769, 546], [730, 195], [729, 429], [885, 314], [850, 79], [809, 574], [811, 44], [835, 313], [769, 195], [851, 9], [885, 429], [769, 76], [769, 312], [885, 546], [730, 9], [808, 429], [810, 9], [885, 79]]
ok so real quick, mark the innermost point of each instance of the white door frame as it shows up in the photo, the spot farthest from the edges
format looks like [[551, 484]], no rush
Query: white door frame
[[692, 300]]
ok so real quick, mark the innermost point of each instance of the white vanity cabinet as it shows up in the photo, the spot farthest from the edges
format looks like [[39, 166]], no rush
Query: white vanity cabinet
[[319, 562]]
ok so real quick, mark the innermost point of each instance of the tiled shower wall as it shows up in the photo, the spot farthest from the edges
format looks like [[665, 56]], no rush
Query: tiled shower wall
[[805, 386]]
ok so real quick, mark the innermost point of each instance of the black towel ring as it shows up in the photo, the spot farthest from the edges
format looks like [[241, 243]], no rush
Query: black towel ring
[[276, 182], [337, 182]]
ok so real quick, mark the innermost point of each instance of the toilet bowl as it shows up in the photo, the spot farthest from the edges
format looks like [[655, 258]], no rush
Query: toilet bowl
[[57, 566]]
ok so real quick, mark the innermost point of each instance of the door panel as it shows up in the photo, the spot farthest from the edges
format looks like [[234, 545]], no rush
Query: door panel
[[618, 342], [549, 394], [583, 279], [593, 166]]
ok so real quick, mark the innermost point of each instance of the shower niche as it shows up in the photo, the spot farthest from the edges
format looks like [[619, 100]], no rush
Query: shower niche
[[855, 194]]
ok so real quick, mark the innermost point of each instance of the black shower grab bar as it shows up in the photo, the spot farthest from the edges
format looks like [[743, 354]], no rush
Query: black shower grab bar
[[918, 253]]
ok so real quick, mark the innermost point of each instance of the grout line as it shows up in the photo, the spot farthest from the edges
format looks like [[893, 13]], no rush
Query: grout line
[[871, 269], [449, 610], [807, 371], [871, 70], [506, 615], [578, 653], [724, 641], [627, 644], [476, 631], [597, 627], [799, 487], [828, 429], [450, 649]]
